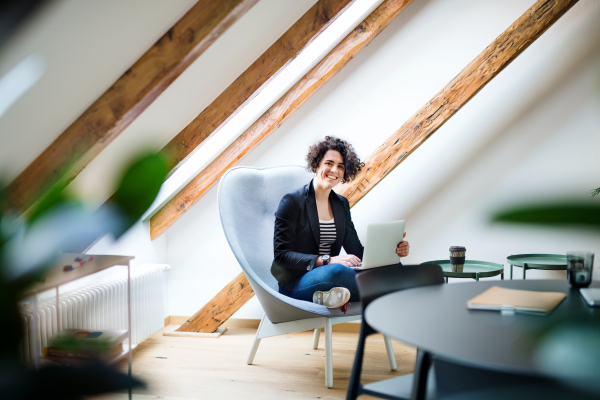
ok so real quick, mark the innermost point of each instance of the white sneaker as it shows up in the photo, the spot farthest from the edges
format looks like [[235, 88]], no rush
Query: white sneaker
[[334, 298]]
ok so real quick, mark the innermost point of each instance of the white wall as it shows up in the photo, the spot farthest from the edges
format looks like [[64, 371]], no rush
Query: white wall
[[516, 141]]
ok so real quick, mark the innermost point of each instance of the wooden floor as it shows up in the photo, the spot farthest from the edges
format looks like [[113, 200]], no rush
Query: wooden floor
[[284, 367]]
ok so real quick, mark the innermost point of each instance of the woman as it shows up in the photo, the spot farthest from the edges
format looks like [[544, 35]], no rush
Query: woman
[[313, 223]]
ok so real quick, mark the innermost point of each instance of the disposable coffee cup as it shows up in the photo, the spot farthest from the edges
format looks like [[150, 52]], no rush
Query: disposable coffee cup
[[457, 258]]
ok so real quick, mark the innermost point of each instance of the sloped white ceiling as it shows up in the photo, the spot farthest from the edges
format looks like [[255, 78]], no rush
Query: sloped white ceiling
[[87, 45]]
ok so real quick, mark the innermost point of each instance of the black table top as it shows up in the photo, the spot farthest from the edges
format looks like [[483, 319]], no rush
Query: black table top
[[436, 319]]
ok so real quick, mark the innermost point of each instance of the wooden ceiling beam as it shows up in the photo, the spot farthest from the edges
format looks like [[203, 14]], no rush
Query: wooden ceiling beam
[[316, 78], [249, 82], [510, 44], [135, 90], [487, 65]]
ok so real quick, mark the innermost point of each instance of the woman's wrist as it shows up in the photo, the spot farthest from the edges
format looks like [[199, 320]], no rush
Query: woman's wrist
[[318, 262]]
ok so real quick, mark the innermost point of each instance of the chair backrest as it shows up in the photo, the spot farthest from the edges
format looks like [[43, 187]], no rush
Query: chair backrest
[[377, 282], [248, 199]]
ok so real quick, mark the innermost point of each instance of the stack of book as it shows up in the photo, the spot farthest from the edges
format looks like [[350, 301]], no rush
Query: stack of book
[[73, 345]]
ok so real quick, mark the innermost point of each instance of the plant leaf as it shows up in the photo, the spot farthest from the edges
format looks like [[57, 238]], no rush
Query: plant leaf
[[553, 214], [140, 185]]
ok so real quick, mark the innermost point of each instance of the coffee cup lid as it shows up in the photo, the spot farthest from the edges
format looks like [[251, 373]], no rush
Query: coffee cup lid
[[458, 248]]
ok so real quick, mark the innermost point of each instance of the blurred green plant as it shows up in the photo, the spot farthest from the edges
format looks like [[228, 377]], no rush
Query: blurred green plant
[[552, 214], [139, 186], [595, 192], [30, 243]]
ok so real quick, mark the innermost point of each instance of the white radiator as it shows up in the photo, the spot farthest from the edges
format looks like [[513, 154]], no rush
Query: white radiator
[[101, 306]]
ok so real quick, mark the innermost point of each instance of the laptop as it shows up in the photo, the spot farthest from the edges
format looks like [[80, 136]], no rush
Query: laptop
[[380, 248]]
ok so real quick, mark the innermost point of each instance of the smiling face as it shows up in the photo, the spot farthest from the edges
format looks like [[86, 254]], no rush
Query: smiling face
[[331, 170]]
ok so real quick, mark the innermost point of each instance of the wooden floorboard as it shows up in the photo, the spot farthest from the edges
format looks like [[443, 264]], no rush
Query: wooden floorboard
[[284, 367]]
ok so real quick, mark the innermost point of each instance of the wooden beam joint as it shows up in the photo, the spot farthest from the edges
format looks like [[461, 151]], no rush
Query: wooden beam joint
[[230, 299]]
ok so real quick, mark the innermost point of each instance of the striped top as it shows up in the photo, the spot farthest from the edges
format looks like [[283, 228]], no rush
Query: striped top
[[328, 235]]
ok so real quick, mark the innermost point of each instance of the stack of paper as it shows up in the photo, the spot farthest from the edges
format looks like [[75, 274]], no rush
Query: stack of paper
[[501, 299]]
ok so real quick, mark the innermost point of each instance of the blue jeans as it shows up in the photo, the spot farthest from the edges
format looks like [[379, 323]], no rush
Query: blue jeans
[[322, 278]]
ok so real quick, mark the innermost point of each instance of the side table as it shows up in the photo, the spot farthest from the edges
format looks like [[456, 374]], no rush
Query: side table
[[57, 276], [472, 269], [537, 261]]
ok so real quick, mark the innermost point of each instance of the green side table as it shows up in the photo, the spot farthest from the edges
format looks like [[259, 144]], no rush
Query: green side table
[[472, 269], [537, 261]]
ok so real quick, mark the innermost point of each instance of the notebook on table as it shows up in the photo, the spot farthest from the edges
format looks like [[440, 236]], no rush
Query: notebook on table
[[380, 247], [511, 300]]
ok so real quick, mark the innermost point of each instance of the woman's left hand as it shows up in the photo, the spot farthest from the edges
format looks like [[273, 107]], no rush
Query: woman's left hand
[[403, 248]]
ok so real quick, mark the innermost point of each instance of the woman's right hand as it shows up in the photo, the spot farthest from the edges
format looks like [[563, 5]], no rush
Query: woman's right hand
[[349, 260]]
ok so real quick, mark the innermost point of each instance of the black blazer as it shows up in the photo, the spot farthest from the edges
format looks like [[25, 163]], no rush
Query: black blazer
[[297, 233]]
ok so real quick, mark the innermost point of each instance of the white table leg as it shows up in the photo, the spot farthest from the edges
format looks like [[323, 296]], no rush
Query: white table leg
[[328, 354], [129, 324], [58, 320], [35, 323]]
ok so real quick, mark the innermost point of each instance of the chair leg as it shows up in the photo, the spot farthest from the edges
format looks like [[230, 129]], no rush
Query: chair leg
[[354, 386], [419, 389], [316, 338], [390, 352], [328, 354], [256, 342]]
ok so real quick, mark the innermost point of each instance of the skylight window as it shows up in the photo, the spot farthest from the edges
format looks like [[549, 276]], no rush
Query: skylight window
[[264, 98]]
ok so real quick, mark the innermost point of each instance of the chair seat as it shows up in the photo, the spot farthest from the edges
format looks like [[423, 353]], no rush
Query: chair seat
[[281, 308]]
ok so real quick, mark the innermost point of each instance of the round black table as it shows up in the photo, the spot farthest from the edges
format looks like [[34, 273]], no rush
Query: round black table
[[436, 320]]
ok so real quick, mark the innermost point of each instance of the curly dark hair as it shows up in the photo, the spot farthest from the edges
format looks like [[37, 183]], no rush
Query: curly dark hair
[[317, 151]]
